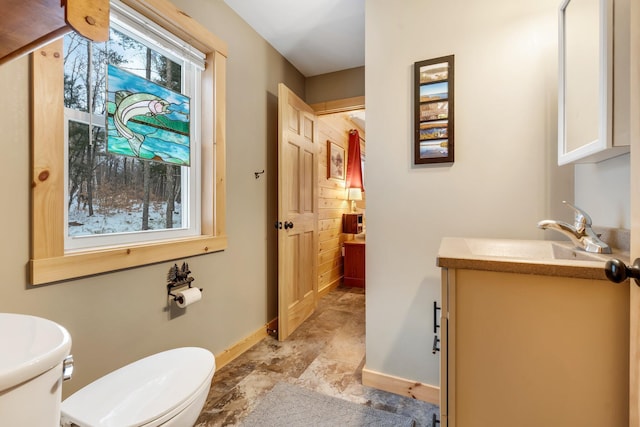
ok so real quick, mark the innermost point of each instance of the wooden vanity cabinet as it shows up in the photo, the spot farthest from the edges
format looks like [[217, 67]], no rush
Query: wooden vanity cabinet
[[531, 350], [354, 263]]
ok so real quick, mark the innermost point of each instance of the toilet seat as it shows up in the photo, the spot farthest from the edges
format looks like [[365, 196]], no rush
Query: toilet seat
[[148, 392]]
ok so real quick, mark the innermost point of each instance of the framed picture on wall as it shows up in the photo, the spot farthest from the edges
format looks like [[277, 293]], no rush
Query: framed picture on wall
[[433, 120], [335, 161]]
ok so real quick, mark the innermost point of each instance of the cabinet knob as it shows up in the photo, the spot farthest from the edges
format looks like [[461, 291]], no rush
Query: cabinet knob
[[618, 272]]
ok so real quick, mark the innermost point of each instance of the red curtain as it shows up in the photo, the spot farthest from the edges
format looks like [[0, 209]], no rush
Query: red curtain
[[354, 162]]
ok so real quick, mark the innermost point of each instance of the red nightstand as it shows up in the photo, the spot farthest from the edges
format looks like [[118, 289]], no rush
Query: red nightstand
[[354, 256]]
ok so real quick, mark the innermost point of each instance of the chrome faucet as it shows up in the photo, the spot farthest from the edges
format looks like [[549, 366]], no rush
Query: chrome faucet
[[580, 233]]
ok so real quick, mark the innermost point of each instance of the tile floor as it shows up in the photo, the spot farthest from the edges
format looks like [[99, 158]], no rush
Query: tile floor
[[325, 354]]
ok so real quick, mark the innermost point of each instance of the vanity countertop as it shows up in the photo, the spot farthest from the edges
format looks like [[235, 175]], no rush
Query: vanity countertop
[[542, 257]]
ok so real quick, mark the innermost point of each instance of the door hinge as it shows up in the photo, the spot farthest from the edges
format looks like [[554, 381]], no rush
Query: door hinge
[[435, 347]]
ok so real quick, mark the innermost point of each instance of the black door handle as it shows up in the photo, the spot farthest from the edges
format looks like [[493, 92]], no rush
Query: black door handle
[[618, 272], [278, 225], [288, 225], [435, 317]]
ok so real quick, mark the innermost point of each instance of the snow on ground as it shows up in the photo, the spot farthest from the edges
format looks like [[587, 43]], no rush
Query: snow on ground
[[118, 221]]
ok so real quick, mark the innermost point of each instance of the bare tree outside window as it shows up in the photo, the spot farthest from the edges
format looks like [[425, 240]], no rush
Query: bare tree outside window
[[109, 193]]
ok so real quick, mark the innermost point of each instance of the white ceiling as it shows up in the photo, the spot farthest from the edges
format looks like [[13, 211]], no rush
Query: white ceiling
[[316, 36]]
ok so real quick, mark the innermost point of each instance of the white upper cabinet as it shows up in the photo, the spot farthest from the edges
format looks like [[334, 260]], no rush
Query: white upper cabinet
[[593, 95]]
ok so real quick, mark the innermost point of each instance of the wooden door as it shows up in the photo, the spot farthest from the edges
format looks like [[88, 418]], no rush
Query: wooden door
[[634, 313], [297, 211]]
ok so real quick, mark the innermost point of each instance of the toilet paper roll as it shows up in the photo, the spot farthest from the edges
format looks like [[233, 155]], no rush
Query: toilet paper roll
[[188, 297]]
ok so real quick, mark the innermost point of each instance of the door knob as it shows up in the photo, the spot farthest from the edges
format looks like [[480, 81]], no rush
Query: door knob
[[288, 225], [278, 225], [618, 272]]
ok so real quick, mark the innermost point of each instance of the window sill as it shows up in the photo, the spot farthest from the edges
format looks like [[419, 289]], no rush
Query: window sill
[[88, 263]]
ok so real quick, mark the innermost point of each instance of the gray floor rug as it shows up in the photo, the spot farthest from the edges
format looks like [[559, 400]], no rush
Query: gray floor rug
[[293, 406]]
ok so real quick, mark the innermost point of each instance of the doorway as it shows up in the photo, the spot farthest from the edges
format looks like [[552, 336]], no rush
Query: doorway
[[296, 299], [333, 197]]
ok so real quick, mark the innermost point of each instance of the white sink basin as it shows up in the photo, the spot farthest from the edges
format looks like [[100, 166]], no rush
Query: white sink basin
[[30, 346], [530, 249]]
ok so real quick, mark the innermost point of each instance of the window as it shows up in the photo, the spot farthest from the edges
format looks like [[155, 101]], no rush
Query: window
[[113, 198], [95, 211]]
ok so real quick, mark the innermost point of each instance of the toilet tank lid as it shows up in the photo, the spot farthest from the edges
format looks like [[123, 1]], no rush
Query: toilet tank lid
[[143, 391], [30, 346]]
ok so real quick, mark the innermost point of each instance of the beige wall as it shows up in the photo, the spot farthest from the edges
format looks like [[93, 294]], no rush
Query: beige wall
[[117, 318], [331, 86], [603, 190], [504, 179]]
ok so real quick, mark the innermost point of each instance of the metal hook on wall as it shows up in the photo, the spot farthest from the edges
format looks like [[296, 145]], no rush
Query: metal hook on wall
[[257, 174]]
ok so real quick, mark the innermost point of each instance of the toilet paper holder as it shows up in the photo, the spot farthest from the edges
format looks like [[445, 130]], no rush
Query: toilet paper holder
[[179, 277]]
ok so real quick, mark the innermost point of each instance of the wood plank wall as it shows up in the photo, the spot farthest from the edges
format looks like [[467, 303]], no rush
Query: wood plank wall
[[332, 199]]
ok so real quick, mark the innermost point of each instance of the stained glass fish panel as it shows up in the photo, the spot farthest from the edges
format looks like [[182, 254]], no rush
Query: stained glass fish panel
[[146, 120]]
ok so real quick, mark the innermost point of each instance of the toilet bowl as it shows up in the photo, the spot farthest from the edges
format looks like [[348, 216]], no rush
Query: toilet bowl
[[165, 389]]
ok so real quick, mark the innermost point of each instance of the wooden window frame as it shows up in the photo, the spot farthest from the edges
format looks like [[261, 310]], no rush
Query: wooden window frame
[[49, 262]]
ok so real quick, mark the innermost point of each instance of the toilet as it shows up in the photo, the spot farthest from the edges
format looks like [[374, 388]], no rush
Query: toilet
[[33, 360], [165, 389]]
